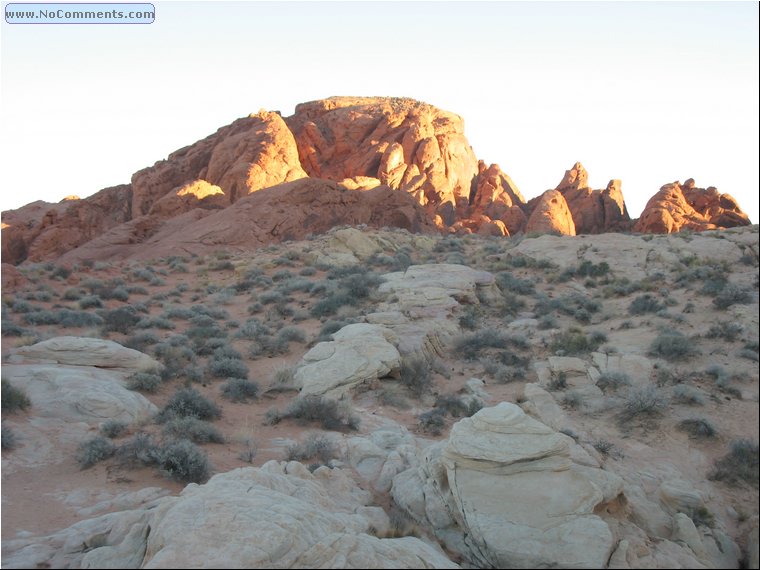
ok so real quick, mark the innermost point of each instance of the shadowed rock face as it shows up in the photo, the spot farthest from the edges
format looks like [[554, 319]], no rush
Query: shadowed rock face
[[676, 207], [362, 143]]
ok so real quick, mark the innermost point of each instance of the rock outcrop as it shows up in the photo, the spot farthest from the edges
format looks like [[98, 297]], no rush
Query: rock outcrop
[[407, 152], [593, 211], [408, 145], [550, 215], [83, 351], [41, 231], [288, 211], [504, 492], [276, 516], [679, 207], [357, 355]]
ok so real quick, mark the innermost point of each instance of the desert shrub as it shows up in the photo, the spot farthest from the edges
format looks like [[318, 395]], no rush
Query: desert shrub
[[415, 375], [502, 373], [731, 295], [13, 398], [113, 428], [557, 382], [471, 345], [457, 406], [726, 330], [390, 397], [645, 401], [548, 322], [697, 427], [8, 439], [612, 381], [22, 306], [120, 320], [141, 341], [469, 318], [672, 345], [574, 341], [222, 265], [72, 294], [119, 293], [330, 327], [315, 446], [293, 284], [282, 379], [575, 305], [188, 402], [92, 284], [94, 450], [432, 421], [184, 461], [739, 464], [174, 358], [226, 367], [155, 323], [573, 399], [508, 282], [688, 395], [139, 450], [193, 429], [645, 304], [239, 390], [328, 413], [291, 334], [144, 382], [590, 269], [60, 272], [605, 447], [249, 453]]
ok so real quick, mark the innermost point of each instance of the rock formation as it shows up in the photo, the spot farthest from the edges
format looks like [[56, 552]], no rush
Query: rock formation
[[677, 207], [593, 211], [358, 144], [551, 215], [279, 515]]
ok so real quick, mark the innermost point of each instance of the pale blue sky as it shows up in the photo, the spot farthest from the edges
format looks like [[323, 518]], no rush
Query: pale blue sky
[[645, 92]]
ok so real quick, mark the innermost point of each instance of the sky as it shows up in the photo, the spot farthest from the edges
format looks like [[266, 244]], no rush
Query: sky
[[648, 93]]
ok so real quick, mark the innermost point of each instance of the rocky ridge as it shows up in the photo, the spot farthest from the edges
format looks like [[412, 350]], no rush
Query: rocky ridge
[[383, 161]]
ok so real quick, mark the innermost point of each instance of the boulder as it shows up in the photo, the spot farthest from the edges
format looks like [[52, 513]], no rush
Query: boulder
[[593, 211], [676, 207], [504, 491], [83, 351], [550, 215], [358, 354], [409, 145], [78, 393], [276, 516]]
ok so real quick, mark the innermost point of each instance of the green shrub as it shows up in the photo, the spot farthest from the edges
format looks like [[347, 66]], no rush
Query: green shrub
[[698, 427], [90, 301], [739, 464], [184, 461], [193, 429], [13, 398], [415, 375], [508, 282], [113, 428], [188, 402], [141, 341], [94, 450], [239, 390]]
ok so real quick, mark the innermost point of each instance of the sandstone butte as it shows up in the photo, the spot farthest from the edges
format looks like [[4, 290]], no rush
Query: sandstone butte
[[380, 161]]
